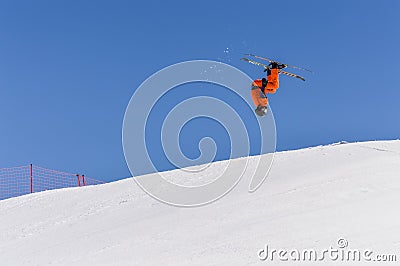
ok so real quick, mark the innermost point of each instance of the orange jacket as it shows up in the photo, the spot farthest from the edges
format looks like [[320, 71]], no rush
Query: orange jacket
[[272, 85]]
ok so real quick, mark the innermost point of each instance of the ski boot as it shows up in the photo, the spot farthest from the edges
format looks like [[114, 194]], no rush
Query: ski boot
[[274, 65]]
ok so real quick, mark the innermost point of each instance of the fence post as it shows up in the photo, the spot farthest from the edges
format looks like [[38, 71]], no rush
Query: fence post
[[31, 177], [84, 181], [79, 180]]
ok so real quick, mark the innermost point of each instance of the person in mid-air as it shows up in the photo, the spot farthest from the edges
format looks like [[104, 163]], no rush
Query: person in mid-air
[[260, 87]]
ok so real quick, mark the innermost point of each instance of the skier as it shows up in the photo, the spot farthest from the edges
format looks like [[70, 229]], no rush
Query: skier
[[260, 87]]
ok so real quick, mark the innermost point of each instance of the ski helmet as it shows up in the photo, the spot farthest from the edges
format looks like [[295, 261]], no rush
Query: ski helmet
[[261, 110]]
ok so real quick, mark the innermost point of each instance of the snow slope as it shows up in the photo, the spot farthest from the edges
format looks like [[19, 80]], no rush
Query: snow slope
[[312, 197]]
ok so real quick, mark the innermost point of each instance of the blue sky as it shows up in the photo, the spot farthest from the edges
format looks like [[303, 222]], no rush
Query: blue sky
[[69, 68]]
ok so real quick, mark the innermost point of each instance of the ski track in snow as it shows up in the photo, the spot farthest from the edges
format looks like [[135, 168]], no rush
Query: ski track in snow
[[311, 198]]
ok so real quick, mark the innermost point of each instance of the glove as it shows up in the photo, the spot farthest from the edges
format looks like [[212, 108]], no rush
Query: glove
[[264, 85]]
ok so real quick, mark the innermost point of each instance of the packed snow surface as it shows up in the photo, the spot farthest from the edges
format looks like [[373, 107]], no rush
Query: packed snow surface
[[311, 198]]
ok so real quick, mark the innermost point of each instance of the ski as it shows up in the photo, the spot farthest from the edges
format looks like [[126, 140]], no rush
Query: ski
[[270, 60], [267, 67]]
